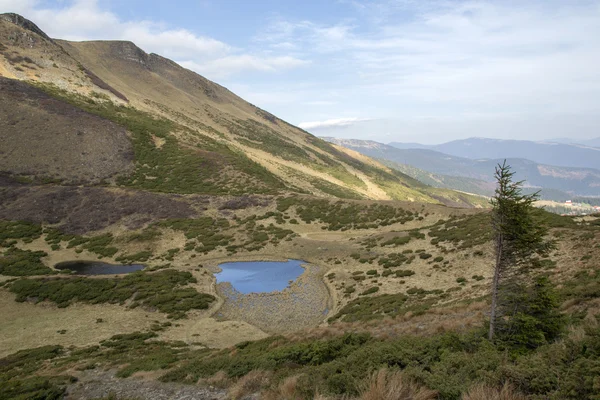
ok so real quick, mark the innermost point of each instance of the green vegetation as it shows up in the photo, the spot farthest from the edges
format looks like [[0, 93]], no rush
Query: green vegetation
[[369, 291], [163, 290], [141, 256], [18, 230], [394, 260], [369, 308], [340, 215], [334, 190], [206, 234], [519, 236], [205, 231], [16, 262], [402, 273], [395, 241], [261, 136], [96, 244], [535, 319], [463, 233], [449, 363], [146, 235], [173, 167], [17, 379]]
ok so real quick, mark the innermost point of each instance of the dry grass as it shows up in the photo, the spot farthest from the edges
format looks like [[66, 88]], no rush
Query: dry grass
[[483, 392], [253, 382], [219, 380], [457, 318], [392, 385], [27, 325], [287, 390]]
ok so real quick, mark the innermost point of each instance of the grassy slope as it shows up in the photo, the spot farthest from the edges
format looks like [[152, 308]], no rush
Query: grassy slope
[[441, 347], [200, 125]]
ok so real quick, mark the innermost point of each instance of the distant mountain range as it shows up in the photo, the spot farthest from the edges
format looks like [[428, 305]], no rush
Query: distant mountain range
[[476, 175], [589, 142], [549, 153]]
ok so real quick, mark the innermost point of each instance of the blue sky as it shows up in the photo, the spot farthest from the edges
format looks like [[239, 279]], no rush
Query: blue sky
[[386, 70]]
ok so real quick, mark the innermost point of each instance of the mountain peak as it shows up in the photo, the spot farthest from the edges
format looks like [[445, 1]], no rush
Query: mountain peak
[[24, 23]]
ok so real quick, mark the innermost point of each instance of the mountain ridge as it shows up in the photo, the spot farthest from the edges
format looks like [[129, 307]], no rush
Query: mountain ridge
[[176, 114], [543, 152], [568, 180]]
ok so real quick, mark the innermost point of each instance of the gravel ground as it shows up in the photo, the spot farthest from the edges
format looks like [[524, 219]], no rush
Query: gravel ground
[[100, 384], [304, 304]]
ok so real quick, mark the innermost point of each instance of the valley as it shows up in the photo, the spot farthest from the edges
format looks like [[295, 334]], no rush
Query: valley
[[130, 186], [465, 172]]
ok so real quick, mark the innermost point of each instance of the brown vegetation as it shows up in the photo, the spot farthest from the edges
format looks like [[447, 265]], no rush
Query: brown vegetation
[[45, 139], [485, 392], [392, 385]]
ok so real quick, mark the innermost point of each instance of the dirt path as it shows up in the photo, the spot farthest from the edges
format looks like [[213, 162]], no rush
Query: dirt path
[[101, 384]]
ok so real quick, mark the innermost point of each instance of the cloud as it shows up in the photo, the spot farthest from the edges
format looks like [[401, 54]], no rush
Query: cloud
[[404, 59], [86, 20], [332, 123], [433, 65], [230, 65]]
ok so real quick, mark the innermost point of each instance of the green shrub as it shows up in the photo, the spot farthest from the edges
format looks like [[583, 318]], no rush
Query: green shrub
[[536, 319], [463, 232], [163, 290], [18, 230], [141, 256], [403, 273], [17, 262], [369, 291]]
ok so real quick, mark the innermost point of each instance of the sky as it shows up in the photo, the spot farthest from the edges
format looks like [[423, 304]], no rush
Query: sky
[[426, 71]]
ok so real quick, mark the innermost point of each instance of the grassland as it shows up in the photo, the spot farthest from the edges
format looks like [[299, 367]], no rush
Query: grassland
[[409, 282], [174, 166]]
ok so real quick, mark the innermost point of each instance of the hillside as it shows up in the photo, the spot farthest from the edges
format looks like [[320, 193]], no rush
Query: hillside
[[585, 142], [557, 183], [129, 185], [549, 153], [188, 134]]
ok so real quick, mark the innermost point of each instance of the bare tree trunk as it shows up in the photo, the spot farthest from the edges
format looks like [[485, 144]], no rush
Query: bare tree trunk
[[495, 284]]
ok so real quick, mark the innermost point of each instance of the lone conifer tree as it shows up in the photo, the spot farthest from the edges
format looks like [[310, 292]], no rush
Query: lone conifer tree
[[518, 236]]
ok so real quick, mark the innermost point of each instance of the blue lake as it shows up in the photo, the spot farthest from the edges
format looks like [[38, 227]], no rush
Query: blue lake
[[98, 268], [260, 276]]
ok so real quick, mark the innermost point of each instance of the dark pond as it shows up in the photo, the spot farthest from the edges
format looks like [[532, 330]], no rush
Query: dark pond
[[260, 276], [98, 268]]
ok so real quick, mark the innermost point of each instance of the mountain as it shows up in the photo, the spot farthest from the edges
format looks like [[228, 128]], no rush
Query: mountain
[[586, 142], [559, 183], [116, 160], [550, 153], [115, 115]]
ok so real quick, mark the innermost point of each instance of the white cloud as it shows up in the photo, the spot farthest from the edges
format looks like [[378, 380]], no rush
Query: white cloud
[[229, 65], [332, 123], [85, 20], [432, 65], [441, 58]]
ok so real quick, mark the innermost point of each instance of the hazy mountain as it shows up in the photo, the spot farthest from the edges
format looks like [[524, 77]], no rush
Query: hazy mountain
[[550, 153], [106, 112], [586, 142], [580, 181]]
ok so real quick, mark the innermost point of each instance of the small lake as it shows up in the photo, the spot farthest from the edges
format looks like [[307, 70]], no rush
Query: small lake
[[260, 276], [98, 268]]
